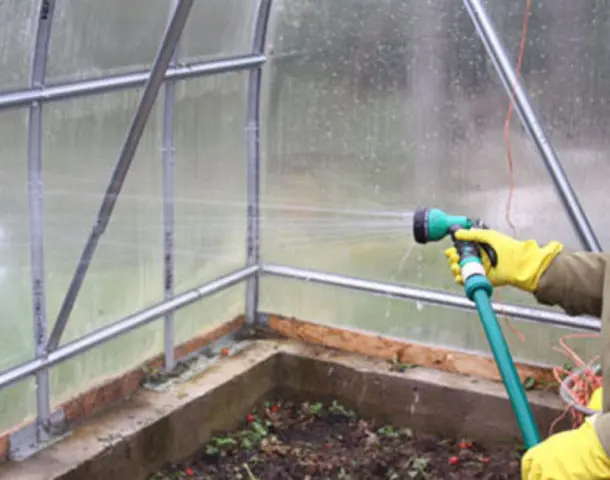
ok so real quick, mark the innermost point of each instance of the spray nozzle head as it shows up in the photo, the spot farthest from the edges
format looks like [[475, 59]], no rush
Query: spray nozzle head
[[432, 224]]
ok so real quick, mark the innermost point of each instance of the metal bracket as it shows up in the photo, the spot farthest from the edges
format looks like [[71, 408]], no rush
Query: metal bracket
[[197, 362], [24, 442]]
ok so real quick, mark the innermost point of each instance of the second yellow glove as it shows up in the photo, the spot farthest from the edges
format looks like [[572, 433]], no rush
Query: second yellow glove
[[572, 455]]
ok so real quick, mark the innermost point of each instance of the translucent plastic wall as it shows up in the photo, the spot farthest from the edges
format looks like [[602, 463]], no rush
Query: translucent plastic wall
[[81, 138], [375, 108]]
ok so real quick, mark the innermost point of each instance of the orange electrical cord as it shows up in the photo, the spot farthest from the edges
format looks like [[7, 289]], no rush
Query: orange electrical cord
[[584, 384]]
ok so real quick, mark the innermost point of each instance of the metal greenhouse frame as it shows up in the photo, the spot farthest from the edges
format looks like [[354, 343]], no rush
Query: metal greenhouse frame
[[166, 71]]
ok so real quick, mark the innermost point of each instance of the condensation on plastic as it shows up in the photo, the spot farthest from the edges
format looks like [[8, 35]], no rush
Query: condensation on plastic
[[81, 141], [218, 28], [92, 39], [16, 36], [16, 326], [210, 190], [128, 352], [17, 404], [390, 106]]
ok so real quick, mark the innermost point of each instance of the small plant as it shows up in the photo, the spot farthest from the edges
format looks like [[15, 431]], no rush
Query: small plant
[[529, 383], [316, 408], [259, 430], [211, 450], [224, 441], [218, 443], [417, 468], [387, 432], [397, 366], [339, 409]]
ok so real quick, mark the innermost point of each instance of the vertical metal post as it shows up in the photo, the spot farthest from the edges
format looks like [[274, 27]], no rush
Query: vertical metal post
[[168, 207], [39, 63], [253, 158], [529, 120], [171, 38]]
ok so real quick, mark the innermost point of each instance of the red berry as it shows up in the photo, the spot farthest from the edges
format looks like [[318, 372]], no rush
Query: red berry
[[275, 408], [189, 472], [328, 445], [454, 460], [224, 352], [250, 418], [464, 445]]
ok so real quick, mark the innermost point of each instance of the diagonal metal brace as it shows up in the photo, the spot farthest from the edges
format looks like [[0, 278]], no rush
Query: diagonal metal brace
[[166, 50]]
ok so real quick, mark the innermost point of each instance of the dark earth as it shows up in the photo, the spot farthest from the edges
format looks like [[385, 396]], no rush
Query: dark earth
[[315, 441]]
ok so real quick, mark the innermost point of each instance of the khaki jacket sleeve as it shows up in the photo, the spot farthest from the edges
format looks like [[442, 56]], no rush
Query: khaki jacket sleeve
[[577, 283], [574, 282]]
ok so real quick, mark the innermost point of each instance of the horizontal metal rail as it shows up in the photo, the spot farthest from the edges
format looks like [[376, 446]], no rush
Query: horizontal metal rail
[[128, 80], [124, 326], [432, 297]]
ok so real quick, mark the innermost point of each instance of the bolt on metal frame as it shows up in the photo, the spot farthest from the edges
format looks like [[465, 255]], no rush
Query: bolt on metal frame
[[164, 69]]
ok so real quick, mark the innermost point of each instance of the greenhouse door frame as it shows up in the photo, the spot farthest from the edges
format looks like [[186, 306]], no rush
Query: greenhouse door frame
[[165, 71]]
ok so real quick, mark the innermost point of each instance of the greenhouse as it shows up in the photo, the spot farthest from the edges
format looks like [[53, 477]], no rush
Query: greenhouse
[[224, 231]]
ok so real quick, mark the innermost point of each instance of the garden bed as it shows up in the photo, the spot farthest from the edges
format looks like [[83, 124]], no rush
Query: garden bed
[[313, 440], [213, 422]]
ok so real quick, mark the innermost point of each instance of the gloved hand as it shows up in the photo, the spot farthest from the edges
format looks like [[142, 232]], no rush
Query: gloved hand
[[520, 264], [572, 455]]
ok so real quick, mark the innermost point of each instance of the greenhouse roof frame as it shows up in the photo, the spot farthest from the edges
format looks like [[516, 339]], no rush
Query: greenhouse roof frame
[[165, 70]]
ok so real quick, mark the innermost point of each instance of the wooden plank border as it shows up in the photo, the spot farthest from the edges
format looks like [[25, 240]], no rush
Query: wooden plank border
[[371, 345]]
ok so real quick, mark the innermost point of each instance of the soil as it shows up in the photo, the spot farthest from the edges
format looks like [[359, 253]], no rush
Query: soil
[[315, 441]]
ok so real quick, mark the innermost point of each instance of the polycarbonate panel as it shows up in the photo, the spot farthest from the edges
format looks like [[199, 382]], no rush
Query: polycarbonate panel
[[16, 327], [414, 321], [93, 39], [210, 178], [210, 187], [372, 110], [17, 404], [198, 318], [17, 36], [566, 69], [82, 141], [218, 28], [75, 376]]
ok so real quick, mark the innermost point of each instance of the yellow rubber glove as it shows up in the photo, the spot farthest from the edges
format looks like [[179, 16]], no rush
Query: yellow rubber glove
[[572, 455], [595, 402], [520, 264]]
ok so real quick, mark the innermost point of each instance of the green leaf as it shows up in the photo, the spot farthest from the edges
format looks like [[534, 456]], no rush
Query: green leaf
[[529, 383]]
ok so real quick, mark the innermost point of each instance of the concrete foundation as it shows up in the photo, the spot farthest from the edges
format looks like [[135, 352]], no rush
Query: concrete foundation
[[153, 428]]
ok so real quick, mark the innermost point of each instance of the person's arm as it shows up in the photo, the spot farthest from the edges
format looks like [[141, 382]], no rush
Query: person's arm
[[574, 282]]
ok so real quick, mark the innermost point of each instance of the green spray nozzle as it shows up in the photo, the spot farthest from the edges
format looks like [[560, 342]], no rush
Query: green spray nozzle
[[432, 224]]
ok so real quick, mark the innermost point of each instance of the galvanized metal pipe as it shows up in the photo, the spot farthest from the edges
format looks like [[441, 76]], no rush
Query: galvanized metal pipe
[[35, 188], [530, 122], [253, 157], [432, 297], [168, 206], [129, 80], [123, 326], [171, 38]]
